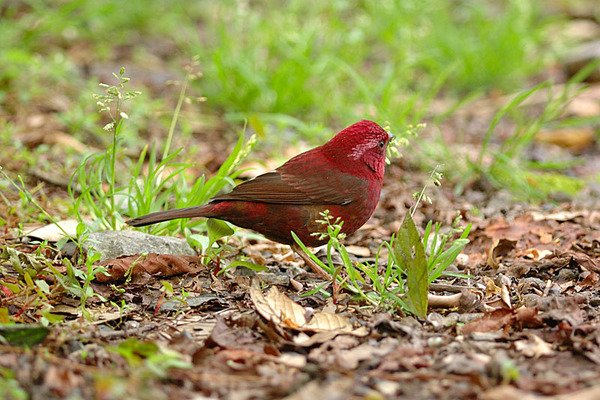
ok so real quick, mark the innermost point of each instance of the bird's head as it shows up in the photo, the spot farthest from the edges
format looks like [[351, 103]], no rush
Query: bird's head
[[361, 144]]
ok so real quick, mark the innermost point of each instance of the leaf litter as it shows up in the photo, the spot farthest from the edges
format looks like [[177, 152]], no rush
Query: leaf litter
[[526, 319], [243, 341], [523, 325]]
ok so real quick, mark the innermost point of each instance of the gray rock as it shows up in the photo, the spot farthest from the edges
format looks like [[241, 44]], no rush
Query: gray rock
[[113, 244]]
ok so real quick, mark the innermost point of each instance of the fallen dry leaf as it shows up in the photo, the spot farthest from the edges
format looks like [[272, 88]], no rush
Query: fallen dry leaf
[[491, 322], [513, 230], [54, 232], [504, 319], [505, 296], [281, 310], [328, 322], [303, 339], [534, 347], [61, 380], [536, 254], [573, 139], [278, 308], [234, 333], [491, 289], [160, 265], [499, 248], [591, 279]]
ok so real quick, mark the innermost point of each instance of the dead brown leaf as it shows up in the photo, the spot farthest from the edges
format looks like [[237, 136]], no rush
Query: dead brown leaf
[[278, 308], [573, 139], [281, 310], [351, 358], [503, 319], [499, 248], [591, 279], [536, 254], [62, 380], [513, 231], [323, 321], [158, 265], [231, 332], [53, 232], [534, 347], [505, 296]]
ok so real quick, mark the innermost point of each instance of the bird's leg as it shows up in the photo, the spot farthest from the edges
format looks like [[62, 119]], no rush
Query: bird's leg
[[310, 262]]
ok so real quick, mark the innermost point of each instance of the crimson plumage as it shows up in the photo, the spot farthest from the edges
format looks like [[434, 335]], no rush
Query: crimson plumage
[[344, 176]]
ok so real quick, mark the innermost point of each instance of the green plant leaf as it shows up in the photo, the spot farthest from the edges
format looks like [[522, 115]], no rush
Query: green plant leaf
[[246, 264], [217, 229], [23, 334], [149, 356], [409, 251], [4, 315], [134, 350], [52, 318]]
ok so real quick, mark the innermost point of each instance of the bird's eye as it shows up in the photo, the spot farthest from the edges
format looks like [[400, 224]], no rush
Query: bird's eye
[[381, 144]]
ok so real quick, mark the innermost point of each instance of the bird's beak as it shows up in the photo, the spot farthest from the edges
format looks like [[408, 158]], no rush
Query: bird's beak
[[390, 136]]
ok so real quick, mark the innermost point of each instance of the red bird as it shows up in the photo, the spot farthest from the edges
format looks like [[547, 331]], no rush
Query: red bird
[[343, 176]]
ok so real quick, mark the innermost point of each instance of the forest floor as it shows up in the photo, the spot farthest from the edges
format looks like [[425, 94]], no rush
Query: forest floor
[[522, 322]]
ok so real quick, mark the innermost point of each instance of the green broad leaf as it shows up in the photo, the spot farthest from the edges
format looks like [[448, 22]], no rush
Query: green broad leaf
[[43, 286], [52, 318], [13, 287], [168, 287], [217, 229], [246, 264], [196, 240], [134, 350], [409, 251], [23, 334]]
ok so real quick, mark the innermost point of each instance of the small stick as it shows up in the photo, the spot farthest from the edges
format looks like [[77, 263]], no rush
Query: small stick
[[445, 287], [451, 301], [310, 262]]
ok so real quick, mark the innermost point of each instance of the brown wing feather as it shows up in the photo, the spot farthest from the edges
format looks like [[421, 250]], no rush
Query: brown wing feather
[[266, 188], [292, 183]]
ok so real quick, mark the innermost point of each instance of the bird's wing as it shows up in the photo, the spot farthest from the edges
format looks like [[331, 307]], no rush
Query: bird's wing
[[299, 183]]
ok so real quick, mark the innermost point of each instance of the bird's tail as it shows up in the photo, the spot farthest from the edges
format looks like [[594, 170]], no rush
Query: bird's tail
[[160, 216]]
